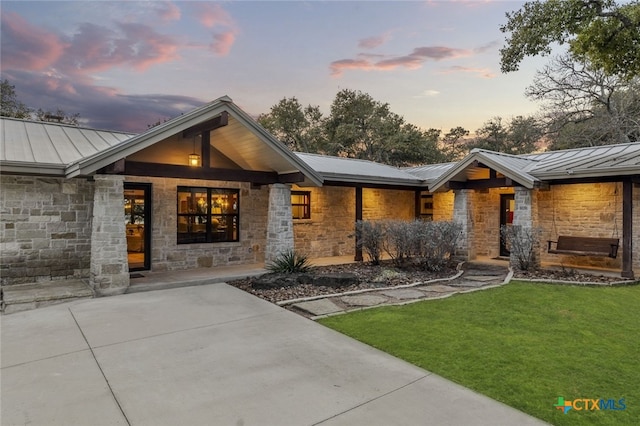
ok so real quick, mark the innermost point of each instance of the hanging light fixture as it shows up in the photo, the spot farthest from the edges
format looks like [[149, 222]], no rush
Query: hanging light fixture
[[194, 158]]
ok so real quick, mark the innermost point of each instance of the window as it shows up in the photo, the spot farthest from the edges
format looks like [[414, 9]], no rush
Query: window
[[301, 204], [426, 206], [208, 215]]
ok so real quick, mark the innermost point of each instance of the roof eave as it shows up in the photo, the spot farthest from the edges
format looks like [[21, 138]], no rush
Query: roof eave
[[23, 168]]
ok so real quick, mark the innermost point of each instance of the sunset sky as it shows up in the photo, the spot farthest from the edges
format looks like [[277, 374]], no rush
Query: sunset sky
[[126, 64]]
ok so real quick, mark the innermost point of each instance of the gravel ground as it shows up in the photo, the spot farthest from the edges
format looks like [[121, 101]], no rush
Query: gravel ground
[[386, 275], [369, 276]]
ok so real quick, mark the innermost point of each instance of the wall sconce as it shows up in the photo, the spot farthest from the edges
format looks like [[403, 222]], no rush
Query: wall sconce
[[194, 159]]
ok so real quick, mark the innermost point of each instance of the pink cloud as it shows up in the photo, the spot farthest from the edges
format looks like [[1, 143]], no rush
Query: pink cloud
[[483, 72], [222, 42], [26, 46], [338, 67], [168, 11], [96, 48], [212, 14], [373, 42], [412, 61]]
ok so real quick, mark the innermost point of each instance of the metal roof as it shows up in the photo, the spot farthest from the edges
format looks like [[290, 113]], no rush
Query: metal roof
[[36, 147], [351, 170], [530, 169], [429, 172], [607, 160]]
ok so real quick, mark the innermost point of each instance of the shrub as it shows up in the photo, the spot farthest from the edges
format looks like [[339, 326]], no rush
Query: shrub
[[523, 244], [397, 240], [369, 237], [289, 262], [435, 243]]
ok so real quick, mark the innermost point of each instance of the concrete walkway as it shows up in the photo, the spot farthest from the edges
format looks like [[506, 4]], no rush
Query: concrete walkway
[[213, 355]]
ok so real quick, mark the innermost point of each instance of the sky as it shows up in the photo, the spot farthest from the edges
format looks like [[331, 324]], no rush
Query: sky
[[123, 65]]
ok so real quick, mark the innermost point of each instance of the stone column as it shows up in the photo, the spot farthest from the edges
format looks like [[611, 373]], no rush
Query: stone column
[[463, 215], [109, 264], [279, 222], [525, 215]]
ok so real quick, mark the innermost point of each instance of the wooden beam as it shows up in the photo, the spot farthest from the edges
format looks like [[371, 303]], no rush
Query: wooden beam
[[597, 179], [135, 168], [116, 168], [207, 126], [358, 256], [206, 150], [627, 228], [373, 185], [481, 183], [294, 177]]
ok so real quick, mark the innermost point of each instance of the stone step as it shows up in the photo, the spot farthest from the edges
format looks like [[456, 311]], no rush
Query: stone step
[[22, 297]]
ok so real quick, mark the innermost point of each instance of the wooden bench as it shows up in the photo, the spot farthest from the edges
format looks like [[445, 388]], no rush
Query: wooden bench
[[585, 246]]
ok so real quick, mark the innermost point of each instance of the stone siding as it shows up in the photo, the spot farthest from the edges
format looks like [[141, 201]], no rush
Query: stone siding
[[109, 267], [45, 228], [333, 214], [166, 254], [380, 204], [332, 221], [279, 223], [443, 206], [584, 210], [486, 221]]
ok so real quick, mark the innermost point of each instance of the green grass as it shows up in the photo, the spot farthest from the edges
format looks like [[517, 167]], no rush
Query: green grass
[[524, 344]]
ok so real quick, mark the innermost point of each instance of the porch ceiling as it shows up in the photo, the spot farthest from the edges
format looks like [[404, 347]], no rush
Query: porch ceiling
[[247, 150]]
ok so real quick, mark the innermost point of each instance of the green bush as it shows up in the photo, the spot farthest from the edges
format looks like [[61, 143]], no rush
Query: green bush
[[290, 262]]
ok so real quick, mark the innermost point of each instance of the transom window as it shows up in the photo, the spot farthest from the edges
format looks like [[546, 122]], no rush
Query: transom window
[[208, 215], [301, 204], [426, 206]]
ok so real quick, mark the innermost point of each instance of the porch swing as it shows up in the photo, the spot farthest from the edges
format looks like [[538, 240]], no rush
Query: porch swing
[[585, 246]]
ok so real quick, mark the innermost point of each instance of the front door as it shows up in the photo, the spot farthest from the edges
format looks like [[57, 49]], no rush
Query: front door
[[507, 206], [137, 212]]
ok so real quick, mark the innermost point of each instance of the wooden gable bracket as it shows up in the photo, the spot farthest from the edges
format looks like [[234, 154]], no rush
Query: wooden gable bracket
[[216, 122]]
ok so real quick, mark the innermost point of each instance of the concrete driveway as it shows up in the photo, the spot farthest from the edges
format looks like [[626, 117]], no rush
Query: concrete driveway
[[213, 355]]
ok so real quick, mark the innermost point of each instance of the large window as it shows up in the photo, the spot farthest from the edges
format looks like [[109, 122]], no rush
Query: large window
[[208, 215], [301, 204]]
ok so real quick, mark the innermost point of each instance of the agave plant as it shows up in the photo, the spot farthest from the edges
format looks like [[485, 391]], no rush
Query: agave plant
[[289, 262]]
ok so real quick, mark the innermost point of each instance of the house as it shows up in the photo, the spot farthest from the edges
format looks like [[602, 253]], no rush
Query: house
[[212, 187]]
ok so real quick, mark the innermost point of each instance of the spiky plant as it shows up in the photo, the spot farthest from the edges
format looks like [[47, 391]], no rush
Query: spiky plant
[[290, 262]]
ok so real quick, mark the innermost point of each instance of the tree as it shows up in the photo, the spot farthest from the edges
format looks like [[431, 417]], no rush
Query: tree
[[361, 127], [599, 31], [518, 137], [10, 106], [453, 144], [585, 106], [301, 129], [59, 116]]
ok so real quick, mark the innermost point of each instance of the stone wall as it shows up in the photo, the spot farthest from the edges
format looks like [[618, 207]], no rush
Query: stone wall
[[443, 206], [387, 204], [109, 270], [333, 217], [332, 221], [45, 228], [166, 254], [486, 221], [279, 223], [584, 210]]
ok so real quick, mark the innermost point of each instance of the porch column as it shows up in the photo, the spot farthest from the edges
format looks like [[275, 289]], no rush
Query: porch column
[[525, 214], [463, 215], [627, 228], [109, 270], [279, 222]]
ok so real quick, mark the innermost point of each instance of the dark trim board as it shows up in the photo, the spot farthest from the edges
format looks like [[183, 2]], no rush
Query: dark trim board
[[374, 185], [135, 168]]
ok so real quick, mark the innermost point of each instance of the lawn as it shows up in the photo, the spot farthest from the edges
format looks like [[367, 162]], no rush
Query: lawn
[[524, 344]]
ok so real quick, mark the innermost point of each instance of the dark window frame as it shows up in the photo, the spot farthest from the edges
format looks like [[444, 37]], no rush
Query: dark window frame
[[203, 218], [305, 205]]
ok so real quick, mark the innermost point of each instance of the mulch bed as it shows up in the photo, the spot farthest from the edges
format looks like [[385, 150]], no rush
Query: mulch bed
[[369, 277]]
